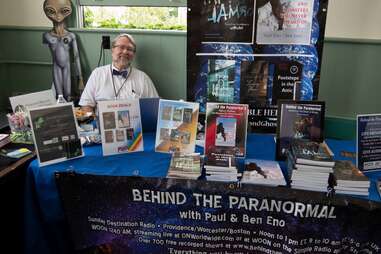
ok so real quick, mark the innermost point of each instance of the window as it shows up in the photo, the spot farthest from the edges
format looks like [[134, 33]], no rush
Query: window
[[133, 14]]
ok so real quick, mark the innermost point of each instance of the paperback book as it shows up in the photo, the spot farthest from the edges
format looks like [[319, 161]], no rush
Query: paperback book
[[176, 126], [349, 179], [312, 153], [298, 120], [121, 127], [223, 169], [187, 166], [263, 172], [226, 131]]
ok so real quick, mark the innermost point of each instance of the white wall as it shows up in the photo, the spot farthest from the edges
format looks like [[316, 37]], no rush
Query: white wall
[[23, 13], [358, 19]]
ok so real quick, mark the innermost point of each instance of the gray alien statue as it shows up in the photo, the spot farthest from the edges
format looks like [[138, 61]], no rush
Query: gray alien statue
[[60, 41]]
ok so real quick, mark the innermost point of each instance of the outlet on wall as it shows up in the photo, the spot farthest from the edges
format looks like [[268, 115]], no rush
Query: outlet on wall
[[106, 42]]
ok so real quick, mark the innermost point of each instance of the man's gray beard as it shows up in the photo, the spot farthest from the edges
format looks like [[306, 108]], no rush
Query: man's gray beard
[[123, 63]]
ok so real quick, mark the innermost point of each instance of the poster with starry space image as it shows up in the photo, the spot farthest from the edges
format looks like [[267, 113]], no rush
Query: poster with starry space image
[[283, 61], [156, 215]]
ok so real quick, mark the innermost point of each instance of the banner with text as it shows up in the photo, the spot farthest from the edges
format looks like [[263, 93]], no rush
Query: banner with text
[[135, 215]]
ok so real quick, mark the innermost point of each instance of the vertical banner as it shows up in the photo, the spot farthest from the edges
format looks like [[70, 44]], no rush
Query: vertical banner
[[135, 215], [254, 52]]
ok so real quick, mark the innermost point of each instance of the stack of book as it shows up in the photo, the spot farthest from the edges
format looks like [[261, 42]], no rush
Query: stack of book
[[225, 170], [185, 166], [310, 165], [263, 172], [4, 139], [349, 179]]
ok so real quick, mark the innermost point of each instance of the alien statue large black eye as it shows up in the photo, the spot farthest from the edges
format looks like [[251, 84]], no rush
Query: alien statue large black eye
[[50, 11], [65, 11]]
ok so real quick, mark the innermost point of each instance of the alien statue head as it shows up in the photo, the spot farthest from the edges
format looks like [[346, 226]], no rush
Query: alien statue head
[[57, 11]]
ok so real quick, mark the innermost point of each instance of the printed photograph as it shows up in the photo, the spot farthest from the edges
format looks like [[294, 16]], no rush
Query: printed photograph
[[165, 133], [109, 136], [123, 119], [185, 137], [109, 120], [166, 113], [226, 131], [187, 116], [177, 114], [130, 133], [175, 135], [221, 80], [119, 135]]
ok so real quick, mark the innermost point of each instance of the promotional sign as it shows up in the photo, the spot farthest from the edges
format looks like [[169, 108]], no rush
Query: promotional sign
[[254, 52], [136, 215], [55, 133], [32, 100], [368, 142]]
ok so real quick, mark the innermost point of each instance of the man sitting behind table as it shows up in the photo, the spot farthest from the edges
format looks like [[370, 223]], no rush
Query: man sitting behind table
[[119, 80]]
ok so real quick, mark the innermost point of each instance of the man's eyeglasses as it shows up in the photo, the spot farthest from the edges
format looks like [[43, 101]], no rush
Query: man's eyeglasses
[[122, 48]]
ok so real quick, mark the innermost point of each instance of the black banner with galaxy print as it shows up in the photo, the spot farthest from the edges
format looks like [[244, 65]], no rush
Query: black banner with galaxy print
[[254, 52], [113, 214]]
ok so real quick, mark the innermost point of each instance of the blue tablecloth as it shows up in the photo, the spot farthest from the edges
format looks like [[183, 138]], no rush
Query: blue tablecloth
[[45, 228]]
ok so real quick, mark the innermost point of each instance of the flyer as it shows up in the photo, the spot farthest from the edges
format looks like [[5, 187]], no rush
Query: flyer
[[121, 127], [368, 142], [55, 133]]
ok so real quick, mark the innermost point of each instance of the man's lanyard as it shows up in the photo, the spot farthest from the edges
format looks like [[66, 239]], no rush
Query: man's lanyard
[[116, 93]]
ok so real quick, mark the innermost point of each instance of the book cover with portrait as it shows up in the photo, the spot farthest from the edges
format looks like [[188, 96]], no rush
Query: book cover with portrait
[[226, 130], [176, 126], [120, 126], [288, 23]]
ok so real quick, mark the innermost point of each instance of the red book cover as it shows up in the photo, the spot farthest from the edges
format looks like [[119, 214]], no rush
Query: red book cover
[[226, 131]]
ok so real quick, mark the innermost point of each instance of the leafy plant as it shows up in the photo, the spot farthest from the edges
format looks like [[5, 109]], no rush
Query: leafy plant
[[154, 18]]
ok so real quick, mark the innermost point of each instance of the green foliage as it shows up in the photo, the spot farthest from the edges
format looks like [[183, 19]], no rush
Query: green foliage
[[155, 18], [88, 17]]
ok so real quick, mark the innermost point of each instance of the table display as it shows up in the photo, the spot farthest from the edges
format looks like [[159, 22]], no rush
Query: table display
[[45, 230]]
